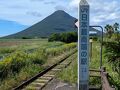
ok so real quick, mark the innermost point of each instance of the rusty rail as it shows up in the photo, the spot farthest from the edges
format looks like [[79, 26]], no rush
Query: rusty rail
[[104, 80], [95, 70]]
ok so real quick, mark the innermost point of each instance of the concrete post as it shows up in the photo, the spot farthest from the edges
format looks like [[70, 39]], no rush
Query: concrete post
[[83, 46]]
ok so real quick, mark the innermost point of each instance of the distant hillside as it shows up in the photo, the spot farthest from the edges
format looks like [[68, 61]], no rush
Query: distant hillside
[[58, 22]]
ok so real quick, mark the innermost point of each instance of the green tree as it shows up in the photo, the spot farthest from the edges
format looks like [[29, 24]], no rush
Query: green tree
[[116, 27], [69, 37], [66, 37], [54, 37], [109, 30]]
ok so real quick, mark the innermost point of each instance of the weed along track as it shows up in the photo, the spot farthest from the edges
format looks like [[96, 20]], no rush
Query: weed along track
[[40, 80]]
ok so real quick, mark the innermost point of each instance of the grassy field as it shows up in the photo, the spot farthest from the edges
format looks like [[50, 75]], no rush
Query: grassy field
[[22, 59], [70, 73]]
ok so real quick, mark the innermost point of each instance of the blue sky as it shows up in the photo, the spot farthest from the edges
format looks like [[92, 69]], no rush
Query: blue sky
[[16, 15]]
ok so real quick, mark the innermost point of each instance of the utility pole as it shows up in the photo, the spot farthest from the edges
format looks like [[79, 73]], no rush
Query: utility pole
[[83, 46]]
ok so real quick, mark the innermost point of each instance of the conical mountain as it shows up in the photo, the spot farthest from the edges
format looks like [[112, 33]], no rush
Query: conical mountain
[[57, 22]]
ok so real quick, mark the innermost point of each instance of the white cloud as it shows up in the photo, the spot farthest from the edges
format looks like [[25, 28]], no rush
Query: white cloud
[[34, 13], [50, 2], [101, 11], [60, 7], [28, 12], [74, 3]]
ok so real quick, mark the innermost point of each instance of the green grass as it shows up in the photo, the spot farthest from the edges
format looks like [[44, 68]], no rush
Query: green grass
[[70, 74], [28, 59], [9, 46], [95, 64], [15, 79]]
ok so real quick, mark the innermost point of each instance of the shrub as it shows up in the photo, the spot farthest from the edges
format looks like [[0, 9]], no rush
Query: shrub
[[66, 37], [54, 37], [38, 57], [60, 49], [69, 37], [18, 61], [26, 38], [7, 50], [112, 53], [13, 63], [94, 38], [1, 69], [116, 37]]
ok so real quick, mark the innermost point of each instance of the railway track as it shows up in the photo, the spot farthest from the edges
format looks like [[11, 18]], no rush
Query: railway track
[[39, 81]]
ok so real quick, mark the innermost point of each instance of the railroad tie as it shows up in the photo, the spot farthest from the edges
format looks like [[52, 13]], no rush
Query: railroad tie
[[94, 88], [44, 77], [41, 80], [56, 69], [60, 66], [37, 84], [51, 72], [31, 88], [48, 75]]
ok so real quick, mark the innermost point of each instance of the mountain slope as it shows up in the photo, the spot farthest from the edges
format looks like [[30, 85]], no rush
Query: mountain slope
[[58, 22]]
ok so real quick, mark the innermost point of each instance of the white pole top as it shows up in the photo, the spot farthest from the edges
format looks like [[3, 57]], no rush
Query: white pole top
[[91, 40], [84, 2]]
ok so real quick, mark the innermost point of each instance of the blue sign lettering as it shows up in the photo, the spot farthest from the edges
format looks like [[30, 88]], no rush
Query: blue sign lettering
[[83, 31], [84, 17], [83, 61], [83, 54], [83, 46], [83, 39], [84, 24]]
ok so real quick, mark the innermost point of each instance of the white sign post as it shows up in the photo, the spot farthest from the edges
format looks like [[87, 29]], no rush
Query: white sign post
[[83, 45]]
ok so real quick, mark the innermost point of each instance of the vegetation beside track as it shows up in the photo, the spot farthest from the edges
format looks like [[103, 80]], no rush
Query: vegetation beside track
[[70, 74], [28, 60]]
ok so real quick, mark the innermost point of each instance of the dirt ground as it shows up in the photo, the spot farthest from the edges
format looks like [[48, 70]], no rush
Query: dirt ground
[[56, 84]]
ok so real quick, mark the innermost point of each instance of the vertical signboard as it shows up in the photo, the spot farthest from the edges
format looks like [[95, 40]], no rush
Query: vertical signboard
[[83, 45]]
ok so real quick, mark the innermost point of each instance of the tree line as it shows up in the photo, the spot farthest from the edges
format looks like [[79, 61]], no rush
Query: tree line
[[112, 31], [66, 37]]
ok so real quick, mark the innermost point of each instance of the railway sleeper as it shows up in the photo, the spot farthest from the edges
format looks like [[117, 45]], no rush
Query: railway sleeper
[[31, 88], [94, 88], [37, 84], [56, 69], [51, 72], [41, 80], [43, 77], [49, 75]]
